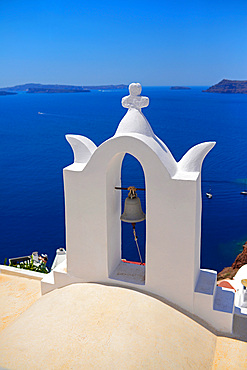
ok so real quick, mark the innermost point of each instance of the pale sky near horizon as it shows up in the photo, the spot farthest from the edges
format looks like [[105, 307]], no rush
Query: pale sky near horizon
[[112, 42]]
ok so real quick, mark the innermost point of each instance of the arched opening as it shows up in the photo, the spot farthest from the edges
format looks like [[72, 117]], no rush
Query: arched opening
[[124, 170], [132, 175]]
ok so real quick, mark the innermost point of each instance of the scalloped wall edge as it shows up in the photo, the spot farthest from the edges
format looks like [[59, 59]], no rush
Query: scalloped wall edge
[[192, 160], [82, 147]]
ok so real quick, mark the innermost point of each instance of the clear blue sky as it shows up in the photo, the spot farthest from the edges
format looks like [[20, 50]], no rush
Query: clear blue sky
[[102, 42]]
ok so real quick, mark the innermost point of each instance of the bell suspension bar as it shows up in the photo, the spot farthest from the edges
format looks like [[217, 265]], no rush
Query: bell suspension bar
[[119, 188]]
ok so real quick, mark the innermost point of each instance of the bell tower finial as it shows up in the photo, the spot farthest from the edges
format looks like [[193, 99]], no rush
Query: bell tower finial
[[134, 100], [134, 120]]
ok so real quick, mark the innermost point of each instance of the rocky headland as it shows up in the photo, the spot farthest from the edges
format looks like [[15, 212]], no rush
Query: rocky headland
[[230, 272], [229, 87]]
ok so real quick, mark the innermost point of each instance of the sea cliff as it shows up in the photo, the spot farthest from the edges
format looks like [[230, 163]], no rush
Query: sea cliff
[[230, 272]]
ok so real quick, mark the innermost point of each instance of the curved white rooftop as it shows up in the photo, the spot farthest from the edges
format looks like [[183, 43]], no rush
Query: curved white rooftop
[[91, 326]]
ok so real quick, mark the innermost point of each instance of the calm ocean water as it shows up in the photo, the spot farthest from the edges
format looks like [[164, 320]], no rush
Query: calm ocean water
[[34, 152]]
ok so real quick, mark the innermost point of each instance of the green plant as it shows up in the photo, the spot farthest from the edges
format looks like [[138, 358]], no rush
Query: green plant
[[30, 265]]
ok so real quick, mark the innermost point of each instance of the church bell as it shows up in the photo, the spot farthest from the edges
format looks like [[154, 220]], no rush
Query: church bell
[[132, 208]]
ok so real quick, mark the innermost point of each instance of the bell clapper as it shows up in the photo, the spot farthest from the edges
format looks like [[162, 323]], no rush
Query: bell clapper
[[135, 237]]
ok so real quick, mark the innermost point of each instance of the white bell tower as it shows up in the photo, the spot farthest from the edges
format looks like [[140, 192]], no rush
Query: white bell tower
[[173, 217]]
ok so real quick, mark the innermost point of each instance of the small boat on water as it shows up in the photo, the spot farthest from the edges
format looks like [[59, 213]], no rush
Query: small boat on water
[[244, 192], [209, 195], [40, 113]]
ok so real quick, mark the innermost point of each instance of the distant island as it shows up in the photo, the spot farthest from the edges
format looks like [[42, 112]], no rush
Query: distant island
[[107, 87], [55, 91], [229, 87], [3, 93], [32, 88], [179, 88]]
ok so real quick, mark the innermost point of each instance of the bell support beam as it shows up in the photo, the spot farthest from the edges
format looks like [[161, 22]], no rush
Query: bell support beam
[[119, 188]]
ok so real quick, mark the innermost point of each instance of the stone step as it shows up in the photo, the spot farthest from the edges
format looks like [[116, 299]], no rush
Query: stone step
[[223, 300], [206, 282]]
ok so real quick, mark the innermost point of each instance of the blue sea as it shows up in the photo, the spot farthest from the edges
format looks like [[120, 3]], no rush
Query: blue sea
[[34, 152]]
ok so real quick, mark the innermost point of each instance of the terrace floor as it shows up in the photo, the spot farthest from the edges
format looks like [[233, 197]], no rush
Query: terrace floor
[[17, 294]]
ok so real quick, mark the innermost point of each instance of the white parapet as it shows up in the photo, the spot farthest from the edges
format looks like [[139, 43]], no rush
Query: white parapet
[[21, 272], [212, 303]]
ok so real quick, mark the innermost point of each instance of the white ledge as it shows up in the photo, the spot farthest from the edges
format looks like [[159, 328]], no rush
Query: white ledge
[[8, 270]]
